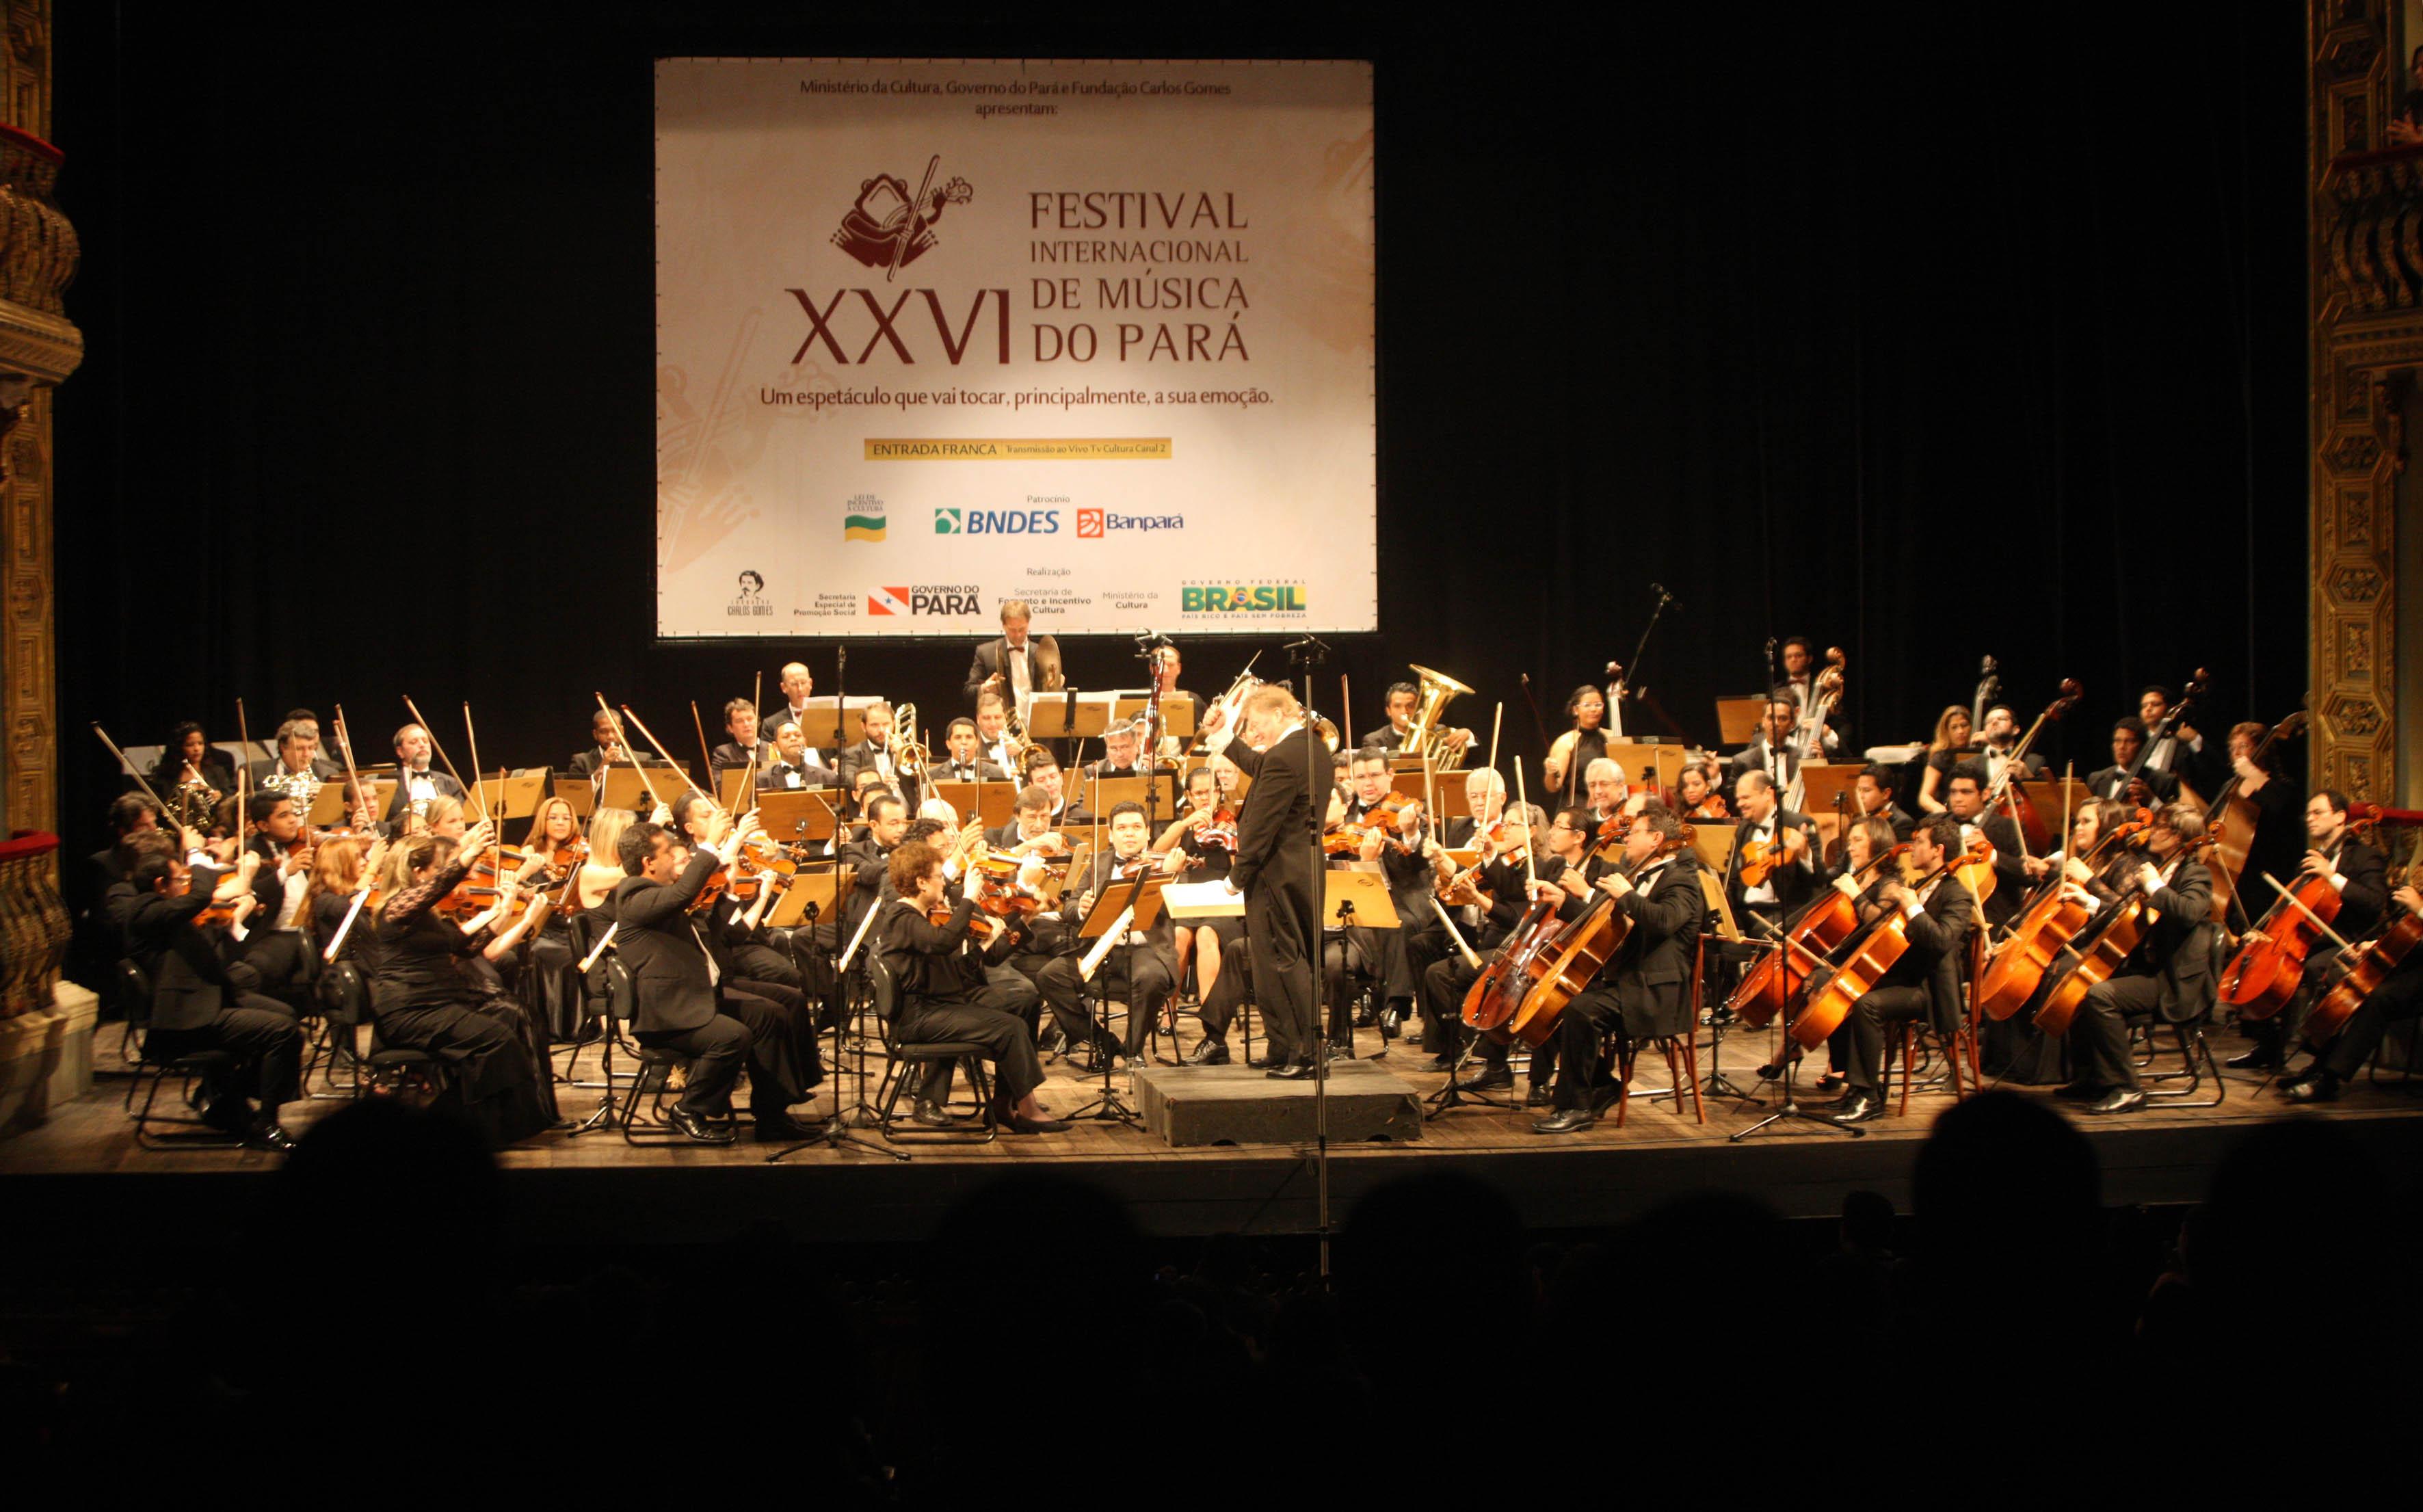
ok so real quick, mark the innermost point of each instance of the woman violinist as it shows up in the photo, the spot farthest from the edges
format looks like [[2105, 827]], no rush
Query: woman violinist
[[1699, 789], [550, 983], [426, 999], [1206, 833], [1949, 747]]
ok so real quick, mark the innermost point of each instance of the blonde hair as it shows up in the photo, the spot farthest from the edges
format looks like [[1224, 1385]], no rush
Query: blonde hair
[[1942, 740], [439, 810], [1272, 697], [605, 828]]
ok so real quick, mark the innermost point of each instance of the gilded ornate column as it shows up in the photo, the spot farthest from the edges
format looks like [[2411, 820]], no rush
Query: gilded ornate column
[[2365, 270]]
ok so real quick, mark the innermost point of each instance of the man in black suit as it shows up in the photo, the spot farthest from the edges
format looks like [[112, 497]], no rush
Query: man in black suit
[[680, 1003], [1277, 869], [1964, 798], [2183, 753], [1143, 971], [1028, 826], [2171, 973], [799, 688], [2396, 1000], [1774, 752], [870, 850], [1794, 878], [963, 758], [2359, 874], [1800, 684], [1043, 771], [605, 752], [198, 1003], [299, 768], [415, 784], [2002, 736], [1873, 791], [2149, 787], [791, 765], [1924, 984], [1016, 665], [1644, 990], [94, 946], [1400, 700], [874, 754], [740, 723]]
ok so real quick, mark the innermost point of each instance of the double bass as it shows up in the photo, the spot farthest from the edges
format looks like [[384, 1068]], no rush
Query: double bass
[[2009, 795], [2234, 817]]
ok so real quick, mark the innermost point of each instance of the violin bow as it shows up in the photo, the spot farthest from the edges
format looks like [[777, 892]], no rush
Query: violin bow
[[353, 777], [129, 766], [1497, 722], [623, 741], [242, 779], [414, 709], [472, 736], [643, 729], [706, 757]]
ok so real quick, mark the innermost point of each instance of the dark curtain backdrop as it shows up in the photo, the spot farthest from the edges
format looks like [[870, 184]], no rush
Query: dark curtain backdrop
[[1923, 336]]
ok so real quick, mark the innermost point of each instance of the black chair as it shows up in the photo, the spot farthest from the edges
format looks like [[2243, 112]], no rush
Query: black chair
[[344, 998], [906, 1059], [152, 1069], [1680, 1050]]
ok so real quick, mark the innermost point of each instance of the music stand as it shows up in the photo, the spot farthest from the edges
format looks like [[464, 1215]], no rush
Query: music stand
[[579, 792], [1355, 899], [1737, 718], [795, 815], [1636, 759], [827, 727], [1108, 793], [624, 788], [1714, 841], [993, 804], [511, 798], [836, 1130], [1453, 801], [328, 808], [2054, 795], [1111, 905], [813, 887]]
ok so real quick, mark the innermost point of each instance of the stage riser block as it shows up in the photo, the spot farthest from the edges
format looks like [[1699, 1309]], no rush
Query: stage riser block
[[1191, 1105]]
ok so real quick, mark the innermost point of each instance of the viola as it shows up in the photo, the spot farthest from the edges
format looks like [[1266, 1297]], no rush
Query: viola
[[1760, 857], [2263, 975]]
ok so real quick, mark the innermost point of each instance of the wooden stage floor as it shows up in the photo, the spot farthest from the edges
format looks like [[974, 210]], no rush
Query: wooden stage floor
[[83, 1167]]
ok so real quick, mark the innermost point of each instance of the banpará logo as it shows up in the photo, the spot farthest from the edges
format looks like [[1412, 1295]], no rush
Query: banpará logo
[[1092, 525], [1242, 598], [888, 228], [925, 598], [996, 522], [862, 518]]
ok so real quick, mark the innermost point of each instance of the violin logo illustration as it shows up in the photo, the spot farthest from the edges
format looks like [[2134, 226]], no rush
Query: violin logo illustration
[[890, 229]]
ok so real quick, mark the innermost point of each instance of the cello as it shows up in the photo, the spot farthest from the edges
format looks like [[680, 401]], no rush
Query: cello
[[1822, 928], [1488, 1005], [1871, 955], [2039, 936], [2123, 926], [2370, 964], [2263, 975], [1564, 972]]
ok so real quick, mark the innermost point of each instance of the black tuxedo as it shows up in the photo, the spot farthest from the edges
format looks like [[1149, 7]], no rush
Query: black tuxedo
[[322, 767], [1388, 737], [400, 800], [664, 950], [1277, 871], [1144, 976], [1795, 882], [2010, 868], [590, 763], [857, 758], [197, 1004], [1780, 763], [980, 771], [2170, 975], [733, 753], [1645, 989], [780, 775], [1924, 984], [2163, 786], [2366, 893], [1042, 664]]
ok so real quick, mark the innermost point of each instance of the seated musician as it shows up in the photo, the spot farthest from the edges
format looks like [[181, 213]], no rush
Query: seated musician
[[1558, 875], [1800, 684], [993, 743], [1378, 955], [874, 753], [964, 761], [415, 784], [1873, 791], [869, 848], [1947, 749], [1122, 755], [730, 927], [1782, 833], [299, 769], [339, 929], [605, 751], [1606, 787], [1030, 831], [1142, 971], [1486, 908], [1965, 801], [1645, 991], [942, 997], [740, 723], [1043, 771], [598, 875], [686, 1003], [1205, 835], [2359, 874], [2113, 781], [94, 947], [1572, 754], [2396, 1000], [2001, 734], [1699, 789], [1401, 701], [199, 1001], [190, 776], [498, 1074], [1484, 796], [798, 686], [1773, 753], [2170, 973], [1925, 983], [791, 765], [279, 837]]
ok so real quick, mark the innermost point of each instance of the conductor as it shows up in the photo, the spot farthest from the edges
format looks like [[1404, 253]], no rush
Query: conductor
[[1274, 868]]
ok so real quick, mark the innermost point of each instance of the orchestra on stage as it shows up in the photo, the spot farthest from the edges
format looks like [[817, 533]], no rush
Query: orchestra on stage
[[1128, 875]]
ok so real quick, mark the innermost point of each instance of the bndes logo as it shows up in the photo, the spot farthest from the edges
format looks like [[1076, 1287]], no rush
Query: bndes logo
[[1094, 524], [996, 522]]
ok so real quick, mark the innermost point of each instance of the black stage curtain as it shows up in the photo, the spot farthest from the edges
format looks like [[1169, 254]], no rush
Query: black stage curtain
[[1926, 336]]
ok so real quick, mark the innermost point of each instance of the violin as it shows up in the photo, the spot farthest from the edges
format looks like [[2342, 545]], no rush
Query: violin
[[1711, 806], [1220, 830], [1385, 818], [1760, 857]]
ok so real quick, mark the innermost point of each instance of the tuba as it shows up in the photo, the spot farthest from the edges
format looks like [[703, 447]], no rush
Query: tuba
[[1435, 689]]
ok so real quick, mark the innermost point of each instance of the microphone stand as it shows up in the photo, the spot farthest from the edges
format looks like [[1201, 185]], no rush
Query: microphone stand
[[835, 1133], [1789, 1108], [1306, 654]]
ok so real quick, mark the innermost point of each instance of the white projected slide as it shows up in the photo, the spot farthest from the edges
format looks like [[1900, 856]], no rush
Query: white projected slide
[[935, 335]]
